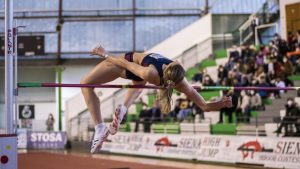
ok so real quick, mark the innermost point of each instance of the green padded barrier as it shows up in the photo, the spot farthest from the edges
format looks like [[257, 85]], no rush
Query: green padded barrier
[[131, 117], [191, 72], [158, 128], [294, 78], [267, 101], [138, 107], [221, 53], [253, 113], [208, 63], [173, 128], [207, 95], [151, 99], [125, 127], [223, 129]]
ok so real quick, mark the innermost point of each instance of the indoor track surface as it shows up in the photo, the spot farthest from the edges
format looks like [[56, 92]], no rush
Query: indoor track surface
[[45, 160]]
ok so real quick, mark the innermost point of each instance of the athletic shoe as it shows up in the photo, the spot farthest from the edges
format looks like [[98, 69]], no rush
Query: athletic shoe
[[101, 134], [117, 119]]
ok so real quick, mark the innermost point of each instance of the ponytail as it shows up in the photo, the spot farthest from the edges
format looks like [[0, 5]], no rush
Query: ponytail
[[173, 74], [164, 96]]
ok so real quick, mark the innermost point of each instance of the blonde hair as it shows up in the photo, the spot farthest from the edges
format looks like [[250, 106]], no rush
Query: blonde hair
[[173, 74]]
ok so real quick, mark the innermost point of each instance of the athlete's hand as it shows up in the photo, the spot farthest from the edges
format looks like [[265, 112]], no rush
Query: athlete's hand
[[227, 101], [100, 51]]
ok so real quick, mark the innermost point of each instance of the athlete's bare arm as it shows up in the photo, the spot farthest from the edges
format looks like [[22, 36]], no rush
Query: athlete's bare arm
[[192, 94]]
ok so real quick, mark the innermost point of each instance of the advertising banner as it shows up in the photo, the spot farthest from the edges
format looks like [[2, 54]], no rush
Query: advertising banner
[[41, 140], [271, 152], [46, 140], [268, 152]]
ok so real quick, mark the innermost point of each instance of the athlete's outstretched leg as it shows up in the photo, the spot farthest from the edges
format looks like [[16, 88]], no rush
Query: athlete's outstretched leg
[[104, 72], [121, 110]]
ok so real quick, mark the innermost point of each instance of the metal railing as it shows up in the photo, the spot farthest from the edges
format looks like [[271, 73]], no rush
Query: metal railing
[[267, 14]]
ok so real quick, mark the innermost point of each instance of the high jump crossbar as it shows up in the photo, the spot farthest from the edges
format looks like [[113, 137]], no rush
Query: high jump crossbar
[[37, 85]]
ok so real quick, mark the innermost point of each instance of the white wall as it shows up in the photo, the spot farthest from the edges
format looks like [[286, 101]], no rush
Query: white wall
[[43, 97], [282, 4], [193, 34], [42, 111]]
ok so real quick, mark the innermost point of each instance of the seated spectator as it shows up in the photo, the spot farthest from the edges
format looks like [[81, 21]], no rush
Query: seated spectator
[[230, 64], [259, 73], [229, 111], [185, 109], [295, 52], [234, 53], [243, 108], [279, 83], [222, 73], [149, 116], [255, 101], [260, 59], [262, 83], [291, 117], [198, 77], [207, 81], [197, 111], [287, 67], [297, 67], [291, 40], [175, 111]]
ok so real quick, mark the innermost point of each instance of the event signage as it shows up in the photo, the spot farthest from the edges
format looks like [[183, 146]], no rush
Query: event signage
[[264, 151]]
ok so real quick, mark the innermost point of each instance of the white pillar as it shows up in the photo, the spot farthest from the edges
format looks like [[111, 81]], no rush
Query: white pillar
[[9, 66]]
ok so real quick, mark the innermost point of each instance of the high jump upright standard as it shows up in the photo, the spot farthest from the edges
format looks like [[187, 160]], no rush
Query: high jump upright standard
[[8, 141]]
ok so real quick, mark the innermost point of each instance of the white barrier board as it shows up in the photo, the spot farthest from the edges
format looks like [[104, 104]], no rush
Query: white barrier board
[[269, 152]]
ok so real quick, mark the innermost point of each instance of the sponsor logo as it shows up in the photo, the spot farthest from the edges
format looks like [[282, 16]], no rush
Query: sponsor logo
[[46, 137], [163, 142], [252, 147], [287, 148]]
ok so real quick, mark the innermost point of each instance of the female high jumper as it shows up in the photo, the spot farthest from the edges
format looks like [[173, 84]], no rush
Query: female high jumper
[[141, 68]]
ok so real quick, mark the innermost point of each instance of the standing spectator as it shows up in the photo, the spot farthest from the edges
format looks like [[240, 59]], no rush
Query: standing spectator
[[147, 117], [50, 122], [254, 23], [231, 110]]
